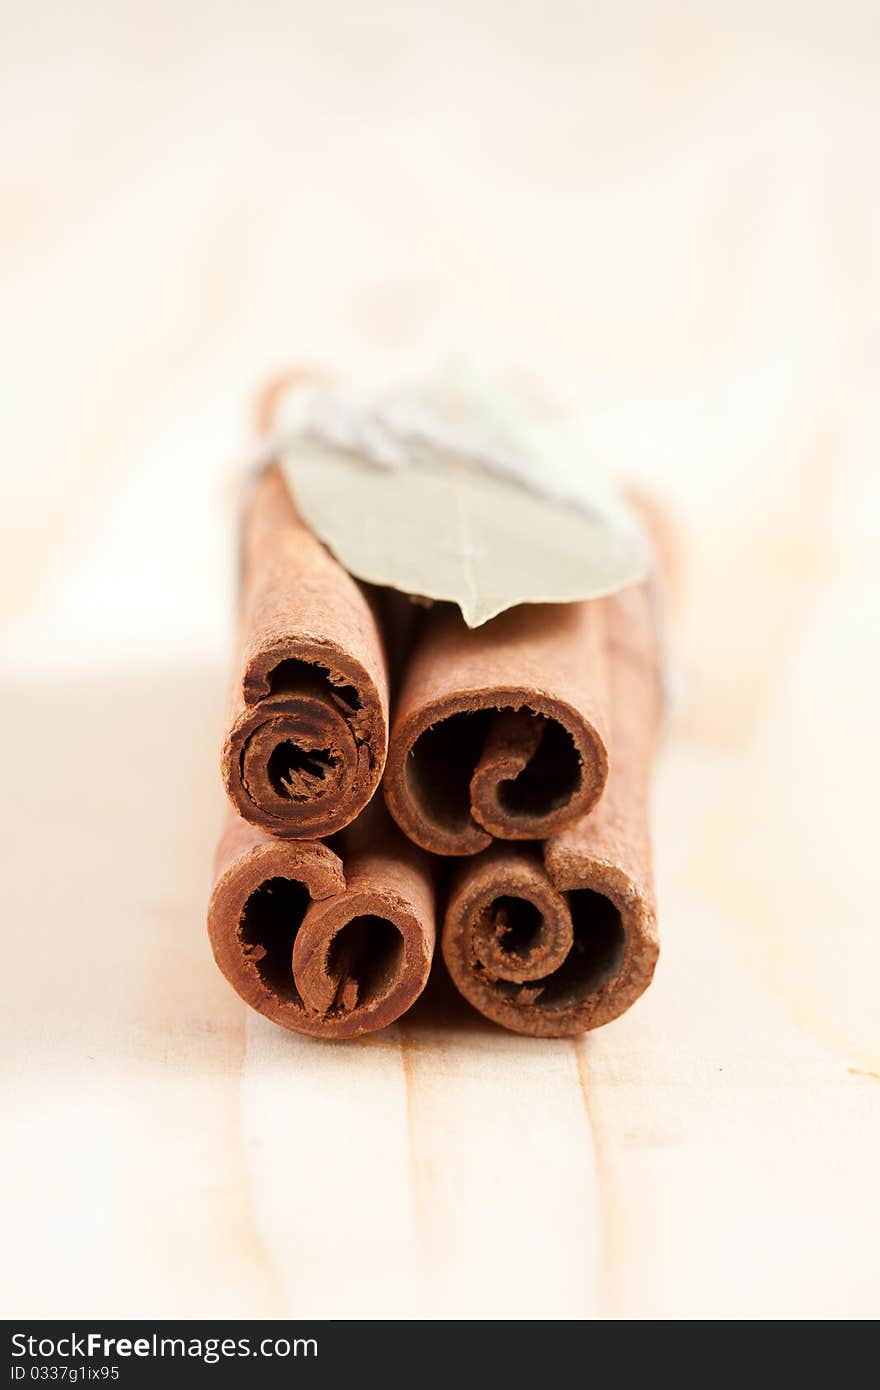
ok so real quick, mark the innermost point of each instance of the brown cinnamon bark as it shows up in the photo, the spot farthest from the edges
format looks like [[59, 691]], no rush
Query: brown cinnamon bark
[[307, 733], [499, 731], [325, 943], [555, 940]]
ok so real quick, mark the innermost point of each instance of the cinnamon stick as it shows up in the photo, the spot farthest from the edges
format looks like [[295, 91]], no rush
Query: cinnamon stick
[[307, 731], [557, 939], [332, 942], [500, 731]]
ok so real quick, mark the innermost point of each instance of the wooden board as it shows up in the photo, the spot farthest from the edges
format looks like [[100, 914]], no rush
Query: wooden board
[[669, 216]]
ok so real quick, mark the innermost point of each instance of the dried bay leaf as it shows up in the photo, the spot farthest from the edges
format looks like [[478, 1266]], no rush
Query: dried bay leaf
[[459, 492]]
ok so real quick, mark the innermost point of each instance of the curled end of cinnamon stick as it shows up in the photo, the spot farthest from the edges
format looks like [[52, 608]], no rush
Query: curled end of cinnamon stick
[[305, 753], [575, 929], [509, 764], [307, 736], [500, 730], [321, 949], [543, 962]]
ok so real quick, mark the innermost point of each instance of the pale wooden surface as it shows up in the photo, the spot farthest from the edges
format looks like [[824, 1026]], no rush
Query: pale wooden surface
[[672, 213]]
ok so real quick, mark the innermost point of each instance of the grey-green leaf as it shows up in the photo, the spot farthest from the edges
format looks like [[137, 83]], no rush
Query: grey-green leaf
[[454, 523]]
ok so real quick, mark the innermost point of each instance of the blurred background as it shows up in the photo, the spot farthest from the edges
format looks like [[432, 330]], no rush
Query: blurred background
[[669, 213]]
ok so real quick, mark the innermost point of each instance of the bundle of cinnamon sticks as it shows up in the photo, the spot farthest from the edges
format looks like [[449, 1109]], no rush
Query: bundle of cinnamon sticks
[[488, 795]]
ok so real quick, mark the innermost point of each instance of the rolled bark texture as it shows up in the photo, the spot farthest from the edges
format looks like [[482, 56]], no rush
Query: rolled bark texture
[[556, 939], [499, 732], [332, 942], [307, 730]]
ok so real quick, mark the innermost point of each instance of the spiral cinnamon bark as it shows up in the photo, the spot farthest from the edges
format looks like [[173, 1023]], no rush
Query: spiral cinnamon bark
[[555, 942], [499, 731], [329, 944], [307, 733]]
